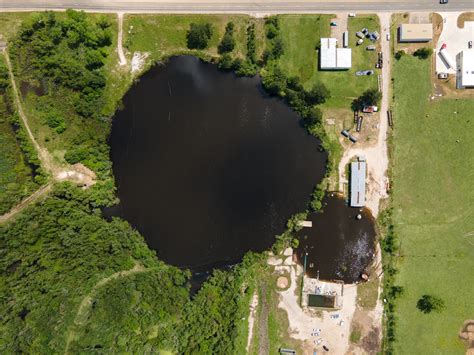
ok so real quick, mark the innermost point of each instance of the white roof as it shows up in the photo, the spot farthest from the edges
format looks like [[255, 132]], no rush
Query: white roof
[[467, 67], [416, 32], [358, 175], [332, 57], [344, 58]]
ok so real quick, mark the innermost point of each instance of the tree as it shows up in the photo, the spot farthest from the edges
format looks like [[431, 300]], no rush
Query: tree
[[368, 98], [317, 95], [423, 53], [428, 303], [199, 35], [313, 118], [225, 62], [228, 42]]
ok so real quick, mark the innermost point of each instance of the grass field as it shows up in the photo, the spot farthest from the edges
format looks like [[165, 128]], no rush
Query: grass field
[[301, 34], [433, 200], [165, 35]]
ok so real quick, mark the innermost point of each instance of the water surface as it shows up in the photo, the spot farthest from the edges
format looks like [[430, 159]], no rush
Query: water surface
[[207, 165]]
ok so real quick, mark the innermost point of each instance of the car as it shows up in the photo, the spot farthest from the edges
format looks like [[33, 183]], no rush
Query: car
[[388, 36], [352, 14], [443, 1], [370, 48], [333, 24], [442, 75], [376, 35], [360, 34], [364, 72], [365, 31], [469, 44], [360, 41]]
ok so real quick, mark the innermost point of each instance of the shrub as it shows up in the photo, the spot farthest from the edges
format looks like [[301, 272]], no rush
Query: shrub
[[428, 303], [251, 45], [199, 35], [423, 53], [274, 80], [399, 55], [56, 122], [225, 62]]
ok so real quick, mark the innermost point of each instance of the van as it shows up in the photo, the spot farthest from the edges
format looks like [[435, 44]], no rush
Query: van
[[370, 48], [360, 41], [352, 14]]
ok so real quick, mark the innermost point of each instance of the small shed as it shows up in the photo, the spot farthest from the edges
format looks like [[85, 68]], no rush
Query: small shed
[[358, 175]]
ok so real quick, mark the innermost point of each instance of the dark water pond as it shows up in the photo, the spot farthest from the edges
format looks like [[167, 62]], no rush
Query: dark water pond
[[339, 246], [207, 165]]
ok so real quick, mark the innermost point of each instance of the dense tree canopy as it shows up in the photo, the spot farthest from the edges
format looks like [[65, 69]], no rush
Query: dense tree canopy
[[199, 35]]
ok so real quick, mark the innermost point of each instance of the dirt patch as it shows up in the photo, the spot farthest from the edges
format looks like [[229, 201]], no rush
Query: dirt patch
[[437, 21], [252, 314], [467, 334], [263, 342], [282, 282], [466, 16]]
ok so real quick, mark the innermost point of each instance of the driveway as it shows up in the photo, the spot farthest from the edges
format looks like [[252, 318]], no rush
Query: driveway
[[455, 38]]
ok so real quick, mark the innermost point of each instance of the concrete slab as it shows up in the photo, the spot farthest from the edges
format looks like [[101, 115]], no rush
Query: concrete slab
[[455, 38]]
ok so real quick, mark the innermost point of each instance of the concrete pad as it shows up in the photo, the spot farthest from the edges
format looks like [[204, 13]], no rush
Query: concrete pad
[[455, 38]]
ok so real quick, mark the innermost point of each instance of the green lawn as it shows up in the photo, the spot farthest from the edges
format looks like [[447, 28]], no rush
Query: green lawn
[[433, 202], [301, 34]]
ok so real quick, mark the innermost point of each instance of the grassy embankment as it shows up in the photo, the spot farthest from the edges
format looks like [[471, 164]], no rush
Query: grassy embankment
[[433, 155]]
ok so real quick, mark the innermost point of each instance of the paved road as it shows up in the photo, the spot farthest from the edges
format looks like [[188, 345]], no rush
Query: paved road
[[237, 6]]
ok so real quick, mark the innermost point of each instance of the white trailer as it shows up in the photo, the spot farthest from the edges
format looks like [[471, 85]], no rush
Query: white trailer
[[345, 39], [450, 63]]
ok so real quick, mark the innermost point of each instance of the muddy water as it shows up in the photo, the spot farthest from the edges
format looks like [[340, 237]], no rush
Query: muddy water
[[339, 246], [207, 165]]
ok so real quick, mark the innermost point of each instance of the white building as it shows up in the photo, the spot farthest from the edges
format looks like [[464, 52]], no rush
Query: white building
[[416, 32], [467, 68], [333, 58]]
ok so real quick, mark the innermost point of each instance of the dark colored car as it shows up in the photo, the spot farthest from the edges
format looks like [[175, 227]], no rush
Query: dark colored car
[[443, 1]]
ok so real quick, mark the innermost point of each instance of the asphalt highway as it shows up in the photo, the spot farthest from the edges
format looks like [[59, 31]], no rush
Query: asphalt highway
[[237, 6]]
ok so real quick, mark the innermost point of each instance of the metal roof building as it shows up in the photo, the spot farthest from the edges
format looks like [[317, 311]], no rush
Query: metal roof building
[[358, 174], [416, 32], [467, 68], [333, 58]]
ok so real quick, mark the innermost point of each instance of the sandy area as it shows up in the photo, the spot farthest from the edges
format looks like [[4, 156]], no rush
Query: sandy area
[[122, 59], [304, 324], [252, 314], [375, 153]]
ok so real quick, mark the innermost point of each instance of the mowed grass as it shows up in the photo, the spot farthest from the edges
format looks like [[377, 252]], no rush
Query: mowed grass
[[301, 37], [433, 200], [165, 35]]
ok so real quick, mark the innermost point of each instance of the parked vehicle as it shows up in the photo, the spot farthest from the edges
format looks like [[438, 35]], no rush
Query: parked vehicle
[[360, 34], [370, 47], [364, 72], [333, 23], [352, 14], [469, 44], [345, 133], [388, 36], [443, 1], [365, 31], [360, 41], [376, 35], [370, 109], [442, 75]]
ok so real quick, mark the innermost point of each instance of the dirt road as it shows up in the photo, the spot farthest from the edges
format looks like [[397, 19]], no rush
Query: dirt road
[[377, 153], [122, 59]]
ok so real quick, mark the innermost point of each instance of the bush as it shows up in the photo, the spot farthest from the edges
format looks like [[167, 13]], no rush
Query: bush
[[274, 80], [228, 42], [428, 303], [225, 62], [245, 68], [56, 122], [399, 55], [313, 117], [199, 35], [423, 53]]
